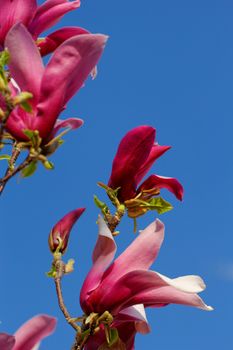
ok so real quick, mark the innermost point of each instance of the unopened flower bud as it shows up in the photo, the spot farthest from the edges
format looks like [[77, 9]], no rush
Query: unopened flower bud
[[59, 235]]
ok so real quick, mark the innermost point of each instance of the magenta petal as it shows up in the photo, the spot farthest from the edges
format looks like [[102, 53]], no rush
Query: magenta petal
[[156, 152], [61, 231], [70, 123], [33, 331], [49, 13], [66, 72], [103, 254], [26, 66], [52, 41], [171, 184], [7, 341], [13, 12], [132, 152]]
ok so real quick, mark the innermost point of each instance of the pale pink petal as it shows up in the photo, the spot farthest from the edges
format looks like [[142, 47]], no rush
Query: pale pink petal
[[13, 12], [26, 66], [7, 341], [103, 254], [160, 182], [33, 331], [64, 75], [139, 255], [156, 152], [49, 13], [52, 41], [135, 313]]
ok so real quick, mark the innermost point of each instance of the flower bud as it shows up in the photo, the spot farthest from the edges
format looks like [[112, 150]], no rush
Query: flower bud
[[59, 235]]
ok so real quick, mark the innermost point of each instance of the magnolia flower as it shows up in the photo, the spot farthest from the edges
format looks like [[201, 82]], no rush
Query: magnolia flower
[[51, 86], [124, 287], [29, 335], [59, 235], [136, 154], [36, 18]]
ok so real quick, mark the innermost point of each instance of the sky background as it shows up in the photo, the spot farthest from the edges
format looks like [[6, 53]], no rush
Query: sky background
[[168, 64]]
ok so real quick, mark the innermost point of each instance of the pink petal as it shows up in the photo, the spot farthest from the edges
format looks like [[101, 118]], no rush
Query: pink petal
[[13, 12], [103, 254], [159, 289], [70, 123], [49, 13], [33, 331], [66, 72], [26, 66], [156, 152], [150, 288], [52, 41], [139, 255], [171, 184], [7, 341], [132, 152]]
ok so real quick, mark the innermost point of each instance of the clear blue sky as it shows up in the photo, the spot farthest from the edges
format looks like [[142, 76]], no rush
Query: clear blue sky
[[168, 64]]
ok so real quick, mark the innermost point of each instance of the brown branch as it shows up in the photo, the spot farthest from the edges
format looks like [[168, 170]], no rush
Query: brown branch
[[60, 269]]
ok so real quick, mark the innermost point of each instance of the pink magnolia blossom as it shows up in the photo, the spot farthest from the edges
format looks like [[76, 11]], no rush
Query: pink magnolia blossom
[[36, 18], [51, 86], [59, 235], [29, 335], [136, 154], [125, 286]]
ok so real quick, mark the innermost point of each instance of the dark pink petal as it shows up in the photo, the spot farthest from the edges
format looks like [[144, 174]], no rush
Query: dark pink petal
[[26, 66], [139, 255], [70, 123], [52, 41], [132, 152], [171, 184], [7, 341], [156, 152], [65, 74], [103, 254], [18, 121], [61, 231], [13, 12], [33, 331], [49, 13]]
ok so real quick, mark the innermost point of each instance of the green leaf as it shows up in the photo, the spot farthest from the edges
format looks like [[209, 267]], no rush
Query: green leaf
[[159, 204], [29, 133], [52, 273], [48, 165], [101, 205], [4, 58], [26, 106], [29, 170], [5, 157], [113, 336]]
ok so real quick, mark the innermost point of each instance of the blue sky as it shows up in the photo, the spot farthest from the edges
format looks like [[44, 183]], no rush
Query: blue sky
[[168, 64]]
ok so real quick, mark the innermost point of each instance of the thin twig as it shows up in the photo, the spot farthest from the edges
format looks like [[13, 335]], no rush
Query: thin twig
[[59, 265], [12, 173]]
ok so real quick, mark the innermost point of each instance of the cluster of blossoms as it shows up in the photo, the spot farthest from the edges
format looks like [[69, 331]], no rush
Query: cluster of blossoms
[[116, 292]]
